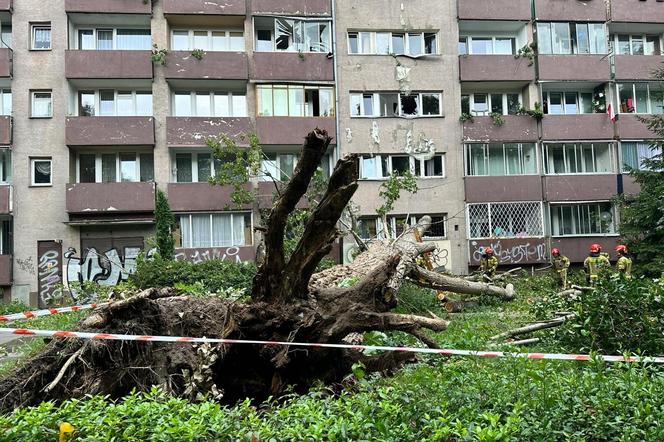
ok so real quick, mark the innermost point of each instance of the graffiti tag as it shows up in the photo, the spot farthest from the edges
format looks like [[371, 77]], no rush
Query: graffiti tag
[[104, 268], [200, 255], [49, 276], [26, 265], [513, 253]]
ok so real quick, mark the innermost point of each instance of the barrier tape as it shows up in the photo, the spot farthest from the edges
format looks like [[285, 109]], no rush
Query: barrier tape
[[436, 351], [50, 311]]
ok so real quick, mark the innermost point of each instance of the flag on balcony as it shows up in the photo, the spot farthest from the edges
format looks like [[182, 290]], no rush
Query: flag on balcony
[[612, 114]]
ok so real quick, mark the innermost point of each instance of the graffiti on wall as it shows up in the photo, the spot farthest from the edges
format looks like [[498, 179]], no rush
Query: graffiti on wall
[[234, 254], [512, 251], [49, 272], [106, 268]]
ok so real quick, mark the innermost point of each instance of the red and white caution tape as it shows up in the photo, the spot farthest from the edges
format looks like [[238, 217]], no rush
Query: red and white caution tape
[[436, 351], [49, 311]]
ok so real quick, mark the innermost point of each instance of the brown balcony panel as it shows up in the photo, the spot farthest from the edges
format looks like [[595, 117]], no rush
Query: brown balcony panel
[[515, 128], [496, 68], [630, 128], [293, 66], [510, 251], [5, 270], [576, 10], [481, 189], [5, 63], [267, 191], [637, 67], [209, 7], [202, 197], [110, 198], [109, 131], [632, 11], [6, 5], [574, 67], [494, 10], [630, 186], [576, 248], [108, 64], [291, 130], [580, 187], [232, 254], [5, 130], [194, 131], [292, 7], [109, 6], [213, 66], [5, 199], [577, 127]]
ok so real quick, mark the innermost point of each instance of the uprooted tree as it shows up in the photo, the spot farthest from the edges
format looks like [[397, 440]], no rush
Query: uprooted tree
[[289, 302]]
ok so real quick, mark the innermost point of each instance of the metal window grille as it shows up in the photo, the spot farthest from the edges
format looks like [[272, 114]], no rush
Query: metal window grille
[[505, 220]]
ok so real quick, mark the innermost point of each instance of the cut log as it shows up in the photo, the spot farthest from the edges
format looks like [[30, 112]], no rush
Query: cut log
[[437, 281], [461, 305], [542, 325]]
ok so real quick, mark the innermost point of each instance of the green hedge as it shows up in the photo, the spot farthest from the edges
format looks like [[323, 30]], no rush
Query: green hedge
[[464, 399]]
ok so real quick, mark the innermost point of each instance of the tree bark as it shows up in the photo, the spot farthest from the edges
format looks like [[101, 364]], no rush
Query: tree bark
[[542, 325]]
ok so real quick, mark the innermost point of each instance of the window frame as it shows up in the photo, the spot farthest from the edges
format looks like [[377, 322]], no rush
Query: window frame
[[5, 165], [294, 87], [489, 219], [578, 145], [580, 102], [648, 100], [573, 37], [504, 102], [3, 94], [118, 172], [301, 22], [33, 93], [387, 160], [375, 100], [373, 50], [211, 94], [614, 39], [190, 215], [469, 164], [33, 29], [469, 43], [577, 204], [33, 163], [621, 155], [210, 32], [114, 41], [116, 93]]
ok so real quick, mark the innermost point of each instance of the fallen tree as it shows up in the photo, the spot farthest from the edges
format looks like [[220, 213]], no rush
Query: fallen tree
[[289, 302]]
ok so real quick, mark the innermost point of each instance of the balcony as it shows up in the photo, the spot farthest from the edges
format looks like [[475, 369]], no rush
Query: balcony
[[6, 5], [202, 197], [213, 66], [630, 186], [110, 198], [637, 67], [5, 270], [629, 11], [108, 6], [480, 189], [109, 131], [5, 130], [108, 65], [496, 68], [577, 127], [292, 66], [515, 128], [494, 10], [292, 7], [5, 199], [576, 247], [570, 10], [194, 131], [580, 187], [574, 67], [6, 63], [630, 128], [204, 7], [267, 192], [291, 130], [511, 251]]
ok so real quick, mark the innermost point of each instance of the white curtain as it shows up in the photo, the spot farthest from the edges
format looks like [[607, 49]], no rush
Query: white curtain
[[238, 230], [185, 231], [222, 234], [133, 39], [200, 226]]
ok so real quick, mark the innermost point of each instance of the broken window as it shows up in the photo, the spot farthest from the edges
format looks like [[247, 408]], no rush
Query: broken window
[[398, 43], [409, 105], [392, 104], [277, 166], [381, 166], [400, 164], [291, 34], [295, 100], [389, 105]]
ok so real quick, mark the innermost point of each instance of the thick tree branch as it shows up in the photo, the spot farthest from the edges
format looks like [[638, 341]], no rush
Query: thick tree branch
[[542, 325], [437, 281]]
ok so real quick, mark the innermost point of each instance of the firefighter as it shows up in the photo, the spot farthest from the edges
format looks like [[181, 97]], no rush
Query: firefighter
[[488, 263], [624, 264], [595, 263], [560, 264]]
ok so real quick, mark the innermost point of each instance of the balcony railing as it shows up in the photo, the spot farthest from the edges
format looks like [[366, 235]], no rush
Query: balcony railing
[[574, 67], [291, 66], [108, 65], [5, 270], [110, 198], [496, 68], [292, 7], [109, 131], [514, 128], [291, 130], [570, 10], [202, 197], [577, 127], [204, 7], [628, 11], [109, 6], [214, 65], [195, 131], [5, 199], [5, 130], [494, 10]]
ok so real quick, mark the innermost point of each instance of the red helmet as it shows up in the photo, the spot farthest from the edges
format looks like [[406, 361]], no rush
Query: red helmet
[[621, 248], [595, 248], [555, 251], [488, 251]]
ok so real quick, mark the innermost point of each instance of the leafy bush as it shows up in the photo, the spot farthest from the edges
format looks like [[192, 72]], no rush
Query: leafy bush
[[621, 315], [214, 275]]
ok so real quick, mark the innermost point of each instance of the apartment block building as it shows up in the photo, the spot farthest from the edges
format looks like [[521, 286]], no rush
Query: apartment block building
[[498, 108]]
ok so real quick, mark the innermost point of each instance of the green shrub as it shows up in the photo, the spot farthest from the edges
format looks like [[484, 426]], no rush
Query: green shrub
[[214, 275]]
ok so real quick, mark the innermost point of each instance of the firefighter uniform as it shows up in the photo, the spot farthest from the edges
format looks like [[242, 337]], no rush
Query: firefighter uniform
[[488, 265], [594, 264], [561, 264]]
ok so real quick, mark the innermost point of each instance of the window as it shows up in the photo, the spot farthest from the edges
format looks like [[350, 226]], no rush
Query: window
[[40, 172], [41, 36], [633, 154], [497, 159], [115, 167], [207, 40], [6, 35], [5, 165], [637, 44], [486, 45], [570, 103], [582, 219], [107, 39], [394, 104], [397, 43], [5, 101], [5, 237], [283, 100], [571, 38], [641, 98], [372, 227], [381, 166], [110, 103], [483, 104], [196, 167], [505, 220], [578, 158], [292, 35], [209, 104], [42, 105], [215, 229], [279, 166]]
